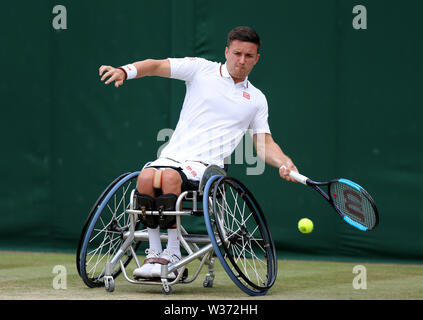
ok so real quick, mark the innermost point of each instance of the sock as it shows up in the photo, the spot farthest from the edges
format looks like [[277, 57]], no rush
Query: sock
[[154, 239], [173, 242]]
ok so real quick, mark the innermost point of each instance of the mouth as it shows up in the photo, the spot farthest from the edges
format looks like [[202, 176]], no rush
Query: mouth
[[240, 69]]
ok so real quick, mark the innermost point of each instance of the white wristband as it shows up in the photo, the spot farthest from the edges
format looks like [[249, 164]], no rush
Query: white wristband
[[130, 70]]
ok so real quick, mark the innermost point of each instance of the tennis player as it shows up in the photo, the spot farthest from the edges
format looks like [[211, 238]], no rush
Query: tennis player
[[220, 106]]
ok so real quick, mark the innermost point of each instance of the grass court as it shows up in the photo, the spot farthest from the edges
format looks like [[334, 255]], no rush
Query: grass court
[[30, 276]]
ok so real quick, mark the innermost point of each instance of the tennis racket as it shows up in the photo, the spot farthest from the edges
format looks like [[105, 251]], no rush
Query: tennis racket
[[350, 201]]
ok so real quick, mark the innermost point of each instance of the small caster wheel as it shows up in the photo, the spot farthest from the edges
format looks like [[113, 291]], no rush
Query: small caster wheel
[[208, 283], [109, 284], [167, 290]]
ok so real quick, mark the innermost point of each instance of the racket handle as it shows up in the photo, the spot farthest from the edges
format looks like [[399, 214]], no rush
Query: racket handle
[[298, 177]]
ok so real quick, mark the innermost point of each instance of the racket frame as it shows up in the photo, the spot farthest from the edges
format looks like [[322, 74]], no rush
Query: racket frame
[[317, 186]]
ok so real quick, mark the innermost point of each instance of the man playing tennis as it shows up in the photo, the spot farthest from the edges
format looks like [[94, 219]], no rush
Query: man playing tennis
[[220, 105]]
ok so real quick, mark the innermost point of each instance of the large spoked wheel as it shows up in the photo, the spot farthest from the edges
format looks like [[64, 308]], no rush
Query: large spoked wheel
[[240, 235], [102, 233]]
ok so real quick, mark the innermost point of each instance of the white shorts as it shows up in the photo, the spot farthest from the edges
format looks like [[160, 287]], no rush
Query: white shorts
[[193, 170]]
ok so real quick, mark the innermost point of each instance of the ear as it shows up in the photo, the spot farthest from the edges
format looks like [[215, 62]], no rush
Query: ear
[[257, 58], [226, 53]]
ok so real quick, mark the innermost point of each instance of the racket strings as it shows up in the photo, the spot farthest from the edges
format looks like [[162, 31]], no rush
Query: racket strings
[[353, 203]]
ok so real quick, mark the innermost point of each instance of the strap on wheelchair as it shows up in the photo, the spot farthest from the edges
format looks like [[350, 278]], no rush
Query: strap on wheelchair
[[144, 202], [166, 202]]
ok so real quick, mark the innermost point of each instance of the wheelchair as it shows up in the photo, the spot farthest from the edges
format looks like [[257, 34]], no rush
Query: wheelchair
[[237, 234]]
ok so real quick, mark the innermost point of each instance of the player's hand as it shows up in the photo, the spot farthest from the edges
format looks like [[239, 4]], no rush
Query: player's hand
[[286, 168], [113, 74]]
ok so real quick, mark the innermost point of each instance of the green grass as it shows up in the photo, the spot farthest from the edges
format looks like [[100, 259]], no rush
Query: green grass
[[29, 275]]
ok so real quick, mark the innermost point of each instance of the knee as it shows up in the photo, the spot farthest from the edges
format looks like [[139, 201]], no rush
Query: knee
[[145, 180], [171, 177]]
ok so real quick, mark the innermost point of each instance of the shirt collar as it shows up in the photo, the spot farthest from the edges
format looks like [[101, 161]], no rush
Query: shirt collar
[[225, 73]]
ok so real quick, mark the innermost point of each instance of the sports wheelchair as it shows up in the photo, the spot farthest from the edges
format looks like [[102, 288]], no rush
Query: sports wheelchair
[[237, 233]]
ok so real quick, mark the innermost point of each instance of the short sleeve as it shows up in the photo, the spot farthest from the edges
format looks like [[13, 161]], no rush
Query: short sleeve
[[260, 124], [185, 68]]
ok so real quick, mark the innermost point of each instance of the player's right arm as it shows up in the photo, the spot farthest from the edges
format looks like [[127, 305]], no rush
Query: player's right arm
[[145, 68]]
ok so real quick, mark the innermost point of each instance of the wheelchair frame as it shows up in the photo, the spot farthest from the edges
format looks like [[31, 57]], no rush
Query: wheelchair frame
[[188, 242], [218, 236]]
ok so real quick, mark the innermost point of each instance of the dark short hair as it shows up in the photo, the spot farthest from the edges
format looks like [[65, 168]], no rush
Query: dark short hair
[[244, 33]]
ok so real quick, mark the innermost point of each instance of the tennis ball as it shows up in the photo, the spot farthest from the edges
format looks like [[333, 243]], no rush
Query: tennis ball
[[305, 225]]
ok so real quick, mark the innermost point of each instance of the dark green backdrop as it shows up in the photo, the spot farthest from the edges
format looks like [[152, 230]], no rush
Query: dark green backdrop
[[342, 102]]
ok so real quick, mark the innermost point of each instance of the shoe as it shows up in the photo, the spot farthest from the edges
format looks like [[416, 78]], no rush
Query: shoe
[[166, 257], [145, 270]]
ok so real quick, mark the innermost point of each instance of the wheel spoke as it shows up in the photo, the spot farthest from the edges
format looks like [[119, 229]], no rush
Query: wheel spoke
[[246, 245], [105, 237]]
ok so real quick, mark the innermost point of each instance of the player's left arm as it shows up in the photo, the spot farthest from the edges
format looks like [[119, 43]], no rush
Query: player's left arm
[[268, 150]]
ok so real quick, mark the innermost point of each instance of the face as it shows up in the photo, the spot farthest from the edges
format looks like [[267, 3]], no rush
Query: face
[[241, 57]]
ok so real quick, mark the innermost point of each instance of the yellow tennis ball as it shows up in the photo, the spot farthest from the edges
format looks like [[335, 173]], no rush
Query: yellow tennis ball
[[305, 225]]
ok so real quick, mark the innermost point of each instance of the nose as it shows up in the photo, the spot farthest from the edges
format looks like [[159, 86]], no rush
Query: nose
[[242, 59]]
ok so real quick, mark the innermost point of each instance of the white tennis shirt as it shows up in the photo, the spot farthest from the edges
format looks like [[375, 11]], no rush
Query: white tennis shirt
[[216, 112]]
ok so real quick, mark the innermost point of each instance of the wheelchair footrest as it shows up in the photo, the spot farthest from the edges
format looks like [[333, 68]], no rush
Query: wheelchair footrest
[[158, 280]]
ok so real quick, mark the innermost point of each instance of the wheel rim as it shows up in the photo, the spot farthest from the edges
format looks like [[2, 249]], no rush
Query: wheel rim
[[90, 218], [245, 248], [104, 234]]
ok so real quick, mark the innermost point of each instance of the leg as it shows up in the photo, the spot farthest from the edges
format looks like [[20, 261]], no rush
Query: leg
[[145, 186], [171, 182], [171, 185], [145, 182]]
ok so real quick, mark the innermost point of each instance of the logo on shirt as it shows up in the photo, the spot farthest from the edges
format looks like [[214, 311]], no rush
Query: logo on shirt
[[246, 95], [191, 170]]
